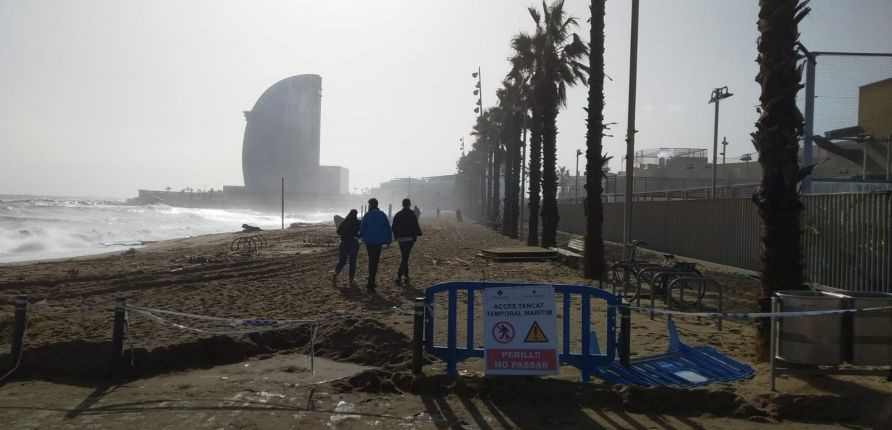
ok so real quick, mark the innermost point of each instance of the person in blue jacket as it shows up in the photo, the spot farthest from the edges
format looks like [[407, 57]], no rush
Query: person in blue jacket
[[375, 232]]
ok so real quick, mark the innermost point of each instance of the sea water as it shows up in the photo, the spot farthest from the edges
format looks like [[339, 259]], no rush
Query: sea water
[[46, 228]]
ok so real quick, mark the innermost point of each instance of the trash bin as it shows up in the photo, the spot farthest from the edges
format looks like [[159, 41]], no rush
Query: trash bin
[[871, 331], [810, 339]]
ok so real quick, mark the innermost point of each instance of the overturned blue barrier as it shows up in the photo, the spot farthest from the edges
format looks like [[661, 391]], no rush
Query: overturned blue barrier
[[680, 366]]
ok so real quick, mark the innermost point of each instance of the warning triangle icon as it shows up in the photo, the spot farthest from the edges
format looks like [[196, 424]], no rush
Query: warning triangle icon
[[535, 335]]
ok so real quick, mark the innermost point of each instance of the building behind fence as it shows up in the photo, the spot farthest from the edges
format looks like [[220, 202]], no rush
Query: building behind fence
[[847, 237]]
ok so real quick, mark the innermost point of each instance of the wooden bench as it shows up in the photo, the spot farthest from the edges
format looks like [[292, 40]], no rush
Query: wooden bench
[[568, 257], [576, 245]]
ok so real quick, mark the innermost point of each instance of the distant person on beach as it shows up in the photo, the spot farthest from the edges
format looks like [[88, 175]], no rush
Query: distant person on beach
[[458, 215], [375, 232], [348, 230], [406, 232], [417, 211], [438, 212]]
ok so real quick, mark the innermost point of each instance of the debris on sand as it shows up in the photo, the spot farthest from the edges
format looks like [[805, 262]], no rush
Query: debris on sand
[[249, 228]]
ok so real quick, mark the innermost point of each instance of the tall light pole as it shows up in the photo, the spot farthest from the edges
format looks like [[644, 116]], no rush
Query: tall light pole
[[717, 95], [478, 91], [630, 132], [576, 197]]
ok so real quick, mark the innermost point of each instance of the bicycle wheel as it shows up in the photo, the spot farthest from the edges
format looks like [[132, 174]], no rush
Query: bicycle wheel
[[620, 274]]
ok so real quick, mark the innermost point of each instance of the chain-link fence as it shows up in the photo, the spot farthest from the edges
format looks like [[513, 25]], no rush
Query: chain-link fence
[[848, 111]]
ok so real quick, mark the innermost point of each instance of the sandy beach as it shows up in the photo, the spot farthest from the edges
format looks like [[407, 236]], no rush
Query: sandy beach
[[182, 378]]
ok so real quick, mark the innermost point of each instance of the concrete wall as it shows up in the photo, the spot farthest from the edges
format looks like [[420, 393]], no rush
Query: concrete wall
[[334, 180], [875, 108]]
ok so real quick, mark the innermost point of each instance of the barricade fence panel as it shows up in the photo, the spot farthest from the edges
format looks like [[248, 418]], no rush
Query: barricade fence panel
[[847, 237]]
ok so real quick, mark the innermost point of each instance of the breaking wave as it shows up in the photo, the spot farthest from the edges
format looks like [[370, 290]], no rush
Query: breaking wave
[[43, 228]]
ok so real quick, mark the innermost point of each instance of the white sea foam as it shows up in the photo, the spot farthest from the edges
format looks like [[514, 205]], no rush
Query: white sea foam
[[42, 228]]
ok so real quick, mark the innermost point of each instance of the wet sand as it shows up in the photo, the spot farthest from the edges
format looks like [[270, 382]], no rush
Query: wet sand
[[68, 346]]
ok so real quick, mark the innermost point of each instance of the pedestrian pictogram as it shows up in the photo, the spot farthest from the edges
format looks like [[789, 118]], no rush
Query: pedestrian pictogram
[[503, 332], [535, 335]]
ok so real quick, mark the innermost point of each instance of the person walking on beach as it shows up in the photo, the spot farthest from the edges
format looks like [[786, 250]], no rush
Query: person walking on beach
[[406, 232], [417, 211], [348, 230], [375, 232]]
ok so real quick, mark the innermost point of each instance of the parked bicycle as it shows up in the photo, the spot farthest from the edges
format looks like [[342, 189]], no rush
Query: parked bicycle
[[657, 275]]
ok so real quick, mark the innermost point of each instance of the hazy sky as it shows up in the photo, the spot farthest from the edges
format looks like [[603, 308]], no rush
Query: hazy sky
[[103, 97]]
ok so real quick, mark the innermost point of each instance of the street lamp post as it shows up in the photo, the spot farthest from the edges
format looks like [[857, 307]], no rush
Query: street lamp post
[[576, 197], [478, 91], [717, 95], [630, 132]]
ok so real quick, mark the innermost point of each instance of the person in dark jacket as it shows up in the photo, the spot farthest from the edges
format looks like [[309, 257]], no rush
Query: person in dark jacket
[[406, 232], [348, 230], [375, 232]]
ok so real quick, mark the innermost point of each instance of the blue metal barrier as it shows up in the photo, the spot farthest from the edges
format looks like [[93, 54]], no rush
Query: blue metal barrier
[[586, 360]]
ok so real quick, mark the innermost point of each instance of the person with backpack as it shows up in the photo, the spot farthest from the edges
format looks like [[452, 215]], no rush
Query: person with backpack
[[348, 230], [406, 231], [375, 232]]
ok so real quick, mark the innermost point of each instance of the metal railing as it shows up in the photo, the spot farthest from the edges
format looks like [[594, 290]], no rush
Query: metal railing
[[847, 238]]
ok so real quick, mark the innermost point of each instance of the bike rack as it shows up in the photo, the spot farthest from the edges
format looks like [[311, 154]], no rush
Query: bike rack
[[248, 244], [701, 282], [642, 275]]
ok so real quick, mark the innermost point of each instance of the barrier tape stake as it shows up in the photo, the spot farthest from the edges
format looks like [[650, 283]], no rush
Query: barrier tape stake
[[772, 342], [721, 305], [118, 333], [625, 333], [313, 348], [417, 337], [21, 309]]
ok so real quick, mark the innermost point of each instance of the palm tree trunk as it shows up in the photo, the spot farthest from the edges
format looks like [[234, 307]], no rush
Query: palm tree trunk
[[777, 140], [535, 176], [593, 262], [550, 215], [506, 202], [482, 200], [496, 191], [514, 198]]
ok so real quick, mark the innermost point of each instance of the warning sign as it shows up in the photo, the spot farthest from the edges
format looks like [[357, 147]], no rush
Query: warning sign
[[535, 335], [509, 313]]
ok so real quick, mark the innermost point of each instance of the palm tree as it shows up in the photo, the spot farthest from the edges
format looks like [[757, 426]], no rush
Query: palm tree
[[511, 113], [777, 134], [560, 52], [470, 175], [593, 261], [495, 143], [526, 70], [486, 131]]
